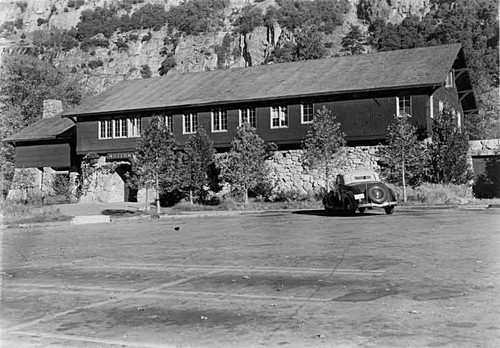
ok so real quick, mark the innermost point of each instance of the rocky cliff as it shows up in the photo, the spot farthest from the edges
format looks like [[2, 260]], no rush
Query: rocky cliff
[[102, 67]]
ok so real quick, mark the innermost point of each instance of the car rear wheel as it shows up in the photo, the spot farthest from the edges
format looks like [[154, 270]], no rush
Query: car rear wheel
[[389, 210], [378, 193]]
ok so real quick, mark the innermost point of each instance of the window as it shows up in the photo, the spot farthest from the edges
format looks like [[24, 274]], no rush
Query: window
[[120, 128], [307, 113], [404, 106], [448, 82], [219, 120], [431, 105], [279, 117], [459, 119], [105, 129], [134, 127], [190, 123], [248, 116], [169, 122], [441, 106]]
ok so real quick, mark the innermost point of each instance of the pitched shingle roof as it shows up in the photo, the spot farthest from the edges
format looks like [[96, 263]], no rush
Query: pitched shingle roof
[[44, 129], [417, 67]]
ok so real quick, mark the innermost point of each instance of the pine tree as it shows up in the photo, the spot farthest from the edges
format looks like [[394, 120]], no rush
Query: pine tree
[[323, 141], [244, 166], [156, 161], [200, 155], [404, 157], [353, 43]]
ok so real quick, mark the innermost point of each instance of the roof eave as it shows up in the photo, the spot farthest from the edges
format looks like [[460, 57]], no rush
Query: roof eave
[[251, 100]]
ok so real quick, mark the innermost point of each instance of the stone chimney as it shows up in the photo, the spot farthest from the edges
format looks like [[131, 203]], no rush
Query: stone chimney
[[51, 107]]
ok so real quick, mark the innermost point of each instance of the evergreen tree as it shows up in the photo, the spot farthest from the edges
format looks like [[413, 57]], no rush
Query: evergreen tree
[[448, 150], [244, 166], [157, 164], [404, 157], [200, 155], [323, 141], [353, 43]]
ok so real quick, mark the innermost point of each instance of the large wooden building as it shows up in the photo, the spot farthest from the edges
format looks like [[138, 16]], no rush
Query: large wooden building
[[365, 92]]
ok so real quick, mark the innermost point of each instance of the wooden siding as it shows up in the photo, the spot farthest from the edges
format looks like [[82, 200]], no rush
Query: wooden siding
[[362, 119], [87, 139], [450, 96], [43, 155]]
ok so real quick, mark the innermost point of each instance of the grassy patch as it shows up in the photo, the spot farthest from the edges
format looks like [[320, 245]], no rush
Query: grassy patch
[[436, 194], [18, 213]]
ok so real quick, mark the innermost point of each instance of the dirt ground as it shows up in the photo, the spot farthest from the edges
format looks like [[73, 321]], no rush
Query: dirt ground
[[299, 279]]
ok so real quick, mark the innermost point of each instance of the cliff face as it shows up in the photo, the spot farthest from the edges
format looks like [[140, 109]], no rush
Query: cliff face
[[209, 51]]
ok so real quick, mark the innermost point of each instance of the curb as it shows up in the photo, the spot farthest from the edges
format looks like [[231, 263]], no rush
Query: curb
[[84, 219]]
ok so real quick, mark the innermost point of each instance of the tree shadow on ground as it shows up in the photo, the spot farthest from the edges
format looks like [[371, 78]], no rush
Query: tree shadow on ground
[[120, 212], [321, 212]]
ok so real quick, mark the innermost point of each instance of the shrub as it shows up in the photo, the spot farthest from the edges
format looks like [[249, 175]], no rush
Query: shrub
[[193, 17], [167, 64], [95, 63], [324, 15], [61, 185], [146, 37], [133, 37], [85, 45], [102, 20], [22, 5], [145, 71], [250, 18], [121, 45], [41, 21], [19, 23]]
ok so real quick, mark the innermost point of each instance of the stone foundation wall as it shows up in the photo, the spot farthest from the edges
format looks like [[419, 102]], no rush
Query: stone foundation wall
[[104, 188], [288, 173], [488, 147]]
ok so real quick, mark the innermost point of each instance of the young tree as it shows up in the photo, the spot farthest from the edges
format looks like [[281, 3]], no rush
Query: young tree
[[323, 141], [404, 156], [244, 166], [156, 161], [448, 160], [200, 154]]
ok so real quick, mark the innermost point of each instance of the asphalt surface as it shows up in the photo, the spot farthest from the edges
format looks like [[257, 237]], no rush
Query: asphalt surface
[[419, 278]]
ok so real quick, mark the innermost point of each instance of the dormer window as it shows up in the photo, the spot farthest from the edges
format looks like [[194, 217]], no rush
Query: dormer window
[[450, 78]]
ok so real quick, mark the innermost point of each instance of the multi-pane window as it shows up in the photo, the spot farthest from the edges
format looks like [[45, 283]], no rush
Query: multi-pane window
[[307, 113], [134, 127], [279, 117], [105, 129], [248, 116], [169, 122], [219, 120], [441, 106], [120, 128], [404, 106], [190, 123]]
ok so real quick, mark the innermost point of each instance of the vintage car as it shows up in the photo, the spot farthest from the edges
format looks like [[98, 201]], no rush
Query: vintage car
[[359, 190]]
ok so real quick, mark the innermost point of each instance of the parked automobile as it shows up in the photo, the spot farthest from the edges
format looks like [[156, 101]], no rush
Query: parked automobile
[[359, 190]]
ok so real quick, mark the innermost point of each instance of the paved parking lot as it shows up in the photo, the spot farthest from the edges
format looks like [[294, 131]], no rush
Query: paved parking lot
[[301, 279]]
